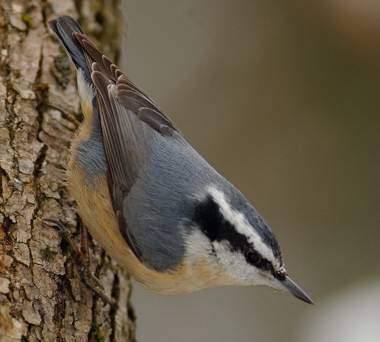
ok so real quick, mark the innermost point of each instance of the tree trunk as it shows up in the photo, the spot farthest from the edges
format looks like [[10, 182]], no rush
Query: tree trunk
[[41, 295]]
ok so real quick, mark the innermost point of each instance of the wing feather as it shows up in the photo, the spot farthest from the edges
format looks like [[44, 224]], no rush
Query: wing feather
[[128, 119]]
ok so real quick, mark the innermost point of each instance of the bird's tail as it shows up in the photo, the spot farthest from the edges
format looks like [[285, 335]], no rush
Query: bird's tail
[[64, 28]]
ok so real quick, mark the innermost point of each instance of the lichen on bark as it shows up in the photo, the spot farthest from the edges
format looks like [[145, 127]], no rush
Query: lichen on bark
[[42, 297]]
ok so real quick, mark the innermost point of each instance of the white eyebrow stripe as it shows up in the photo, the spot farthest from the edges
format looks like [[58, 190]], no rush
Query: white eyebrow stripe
[[241, 224]]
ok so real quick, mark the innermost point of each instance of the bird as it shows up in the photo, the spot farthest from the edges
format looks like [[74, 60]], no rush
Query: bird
[[149, 198]]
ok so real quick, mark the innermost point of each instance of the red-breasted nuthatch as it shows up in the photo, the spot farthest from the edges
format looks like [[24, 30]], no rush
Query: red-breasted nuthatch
[[149, 198]]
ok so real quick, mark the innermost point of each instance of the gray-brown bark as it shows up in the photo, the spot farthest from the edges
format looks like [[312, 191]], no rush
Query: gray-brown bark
[[41, 294]]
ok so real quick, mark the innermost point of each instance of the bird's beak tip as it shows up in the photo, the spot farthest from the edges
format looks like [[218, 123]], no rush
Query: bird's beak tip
[[290, 286]]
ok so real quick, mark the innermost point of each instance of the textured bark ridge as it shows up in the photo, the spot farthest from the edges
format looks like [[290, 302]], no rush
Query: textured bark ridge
[[41, 295]]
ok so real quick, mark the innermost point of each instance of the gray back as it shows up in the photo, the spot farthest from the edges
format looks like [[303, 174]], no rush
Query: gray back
[[162, 200]]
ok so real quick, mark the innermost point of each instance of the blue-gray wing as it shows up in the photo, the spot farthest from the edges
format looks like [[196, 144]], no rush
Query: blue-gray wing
[[129, 120]]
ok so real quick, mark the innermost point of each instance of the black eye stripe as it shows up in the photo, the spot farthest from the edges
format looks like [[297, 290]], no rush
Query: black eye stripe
[[254, 258], [212, 223]]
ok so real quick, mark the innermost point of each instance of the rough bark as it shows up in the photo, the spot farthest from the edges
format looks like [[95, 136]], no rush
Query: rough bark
[[41, 294]]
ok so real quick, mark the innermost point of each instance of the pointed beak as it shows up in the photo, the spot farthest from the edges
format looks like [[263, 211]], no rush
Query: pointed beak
[[290, 286]]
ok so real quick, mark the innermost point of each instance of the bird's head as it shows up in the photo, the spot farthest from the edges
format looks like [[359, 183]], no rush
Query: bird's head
[[239, 242]]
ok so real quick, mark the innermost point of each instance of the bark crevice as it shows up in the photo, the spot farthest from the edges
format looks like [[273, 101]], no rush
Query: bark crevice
[[42, 297]]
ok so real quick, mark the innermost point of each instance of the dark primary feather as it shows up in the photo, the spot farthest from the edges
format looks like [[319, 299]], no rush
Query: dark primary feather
[[127, 118], [64, 27], [123, 110]]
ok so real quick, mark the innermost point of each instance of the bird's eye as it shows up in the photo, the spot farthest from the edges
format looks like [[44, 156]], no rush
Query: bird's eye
[[254, 258]]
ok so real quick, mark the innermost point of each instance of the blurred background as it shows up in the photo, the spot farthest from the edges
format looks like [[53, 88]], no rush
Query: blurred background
[[282, 97]]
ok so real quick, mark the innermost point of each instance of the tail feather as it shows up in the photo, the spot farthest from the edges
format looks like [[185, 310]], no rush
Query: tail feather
[[65, 28]]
